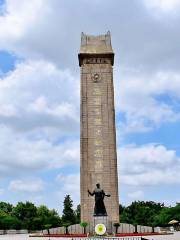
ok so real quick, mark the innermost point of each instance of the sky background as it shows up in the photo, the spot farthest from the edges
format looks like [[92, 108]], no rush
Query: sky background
[[39, 97]]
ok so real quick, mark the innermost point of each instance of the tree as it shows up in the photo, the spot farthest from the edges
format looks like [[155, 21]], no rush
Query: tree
[[46, 217], [66, 225], [25, 212], [27, 216], [78, 213], [84, 225], [37, 224], [6, 207], [121, 209], [47, 227], [53, 218], [142, 213], [167, 214], [116, 225], [9, 222], [2, 217], [68, 213]]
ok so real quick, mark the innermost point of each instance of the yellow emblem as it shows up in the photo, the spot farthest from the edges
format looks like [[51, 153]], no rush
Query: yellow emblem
[[100, 229]]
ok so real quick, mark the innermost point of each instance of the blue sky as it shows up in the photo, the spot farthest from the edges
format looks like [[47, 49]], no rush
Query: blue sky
[[39, 97]]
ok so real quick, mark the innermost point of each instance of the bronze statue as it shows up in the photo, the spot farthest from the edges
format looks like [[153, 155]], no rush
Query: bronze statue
[[99, 208]]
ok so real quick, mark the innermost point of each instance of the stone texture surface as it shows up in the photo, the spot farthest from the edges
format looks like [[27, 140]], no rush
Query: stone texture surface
[[98, 134], [96, 44]]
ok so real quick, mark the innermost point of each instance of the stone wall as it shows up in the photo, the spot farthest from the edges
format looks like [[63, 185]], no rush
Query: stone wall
[[124, 228], [13, 231]]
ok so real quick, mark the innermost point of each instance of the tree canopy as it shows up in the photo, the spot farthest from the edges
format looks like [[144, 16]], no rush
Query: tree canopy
[[28, 216], [149, 213], [68, 216]]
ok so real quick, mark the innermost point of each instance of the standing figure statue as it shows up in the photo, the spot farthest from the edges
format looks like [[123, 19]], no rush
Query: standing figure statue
[[99, 208]]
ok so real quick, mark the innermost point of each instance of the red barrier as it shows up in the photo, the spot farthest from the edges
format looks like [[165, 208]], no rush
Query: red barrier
[[135, 234], [116, 235]]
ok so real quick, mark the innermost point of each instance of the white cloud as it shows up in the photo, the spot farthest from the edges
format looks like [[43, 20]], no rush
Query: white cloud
[[148, 165], [27, 186], [47, 30], [20, 154], [140, 98], [69, 184], [163, 5], [39, 95], [7, 110], [39, 106], [39, 103], [17, 18], [36, 29], [136, 195], [1, 191]]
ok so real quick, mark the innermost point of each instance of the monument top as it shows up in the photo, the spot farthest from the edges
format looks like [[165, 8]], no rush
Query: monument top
[[96, 45]]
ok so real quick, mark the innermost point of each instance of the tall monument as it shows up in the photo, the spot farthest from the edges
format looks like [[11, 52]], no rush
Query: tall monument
[[98, 132]]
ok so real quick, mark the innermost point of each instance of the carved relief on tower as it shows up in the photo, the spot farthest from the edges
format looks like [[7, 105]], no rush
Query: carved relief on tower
[[98, 142], [96, 91], [98, 132], [97, 121], [96, 77], [98, 153], [97, 111], [98, 164], [97, 101]]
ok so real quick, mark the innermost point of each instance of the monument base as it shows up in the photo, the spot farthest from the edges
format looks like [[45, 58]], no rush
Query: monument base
[[102, 220]]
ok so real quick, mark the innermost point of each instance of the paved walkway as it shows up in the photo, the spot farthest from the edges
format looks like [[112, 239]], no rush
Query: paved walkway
[[175, 236]]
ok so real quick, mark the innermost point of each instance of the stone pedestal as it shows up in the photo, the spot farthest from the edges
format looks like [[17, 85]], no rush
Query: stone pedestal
[[102, 220]]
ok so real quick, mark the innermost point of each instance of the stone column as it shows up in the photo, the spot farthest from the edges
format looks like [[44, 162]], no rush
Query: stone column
[[98, 133]]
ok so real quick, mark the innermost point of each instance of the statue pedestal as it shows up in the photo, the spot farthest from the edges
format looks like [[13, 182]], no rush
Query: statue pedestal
[[103, 220]]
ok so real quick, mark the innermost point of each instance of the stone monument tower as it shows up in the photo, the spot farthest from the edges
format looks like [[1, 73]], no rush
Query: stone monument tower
[[98, 132]]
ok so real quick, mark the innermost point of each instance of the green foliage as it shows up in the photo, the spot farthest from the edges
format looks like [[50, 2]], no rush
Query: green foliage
[[121, 208], [6, 207], [116, 225], [69, 216], [68, 212], [84, 225], [46, 216], [168, 214], [66, 225], [25, 212], [48, 226], [78, 213], [9, 222], [3, 214], [27, 216], [149, 213]]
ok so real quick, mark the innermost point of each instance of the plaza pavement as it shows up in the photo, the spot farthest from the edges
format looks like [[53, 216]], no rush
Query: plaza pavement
[[175, 236]]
